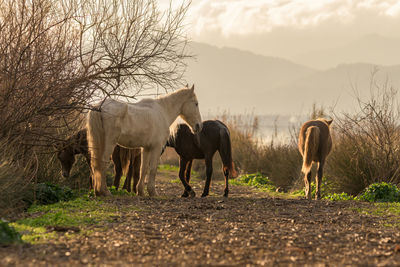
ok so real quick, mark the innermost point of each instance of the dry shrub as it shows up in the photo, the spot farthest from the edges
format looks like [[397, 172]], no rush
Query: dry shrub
[[367, 143], [15, 178]]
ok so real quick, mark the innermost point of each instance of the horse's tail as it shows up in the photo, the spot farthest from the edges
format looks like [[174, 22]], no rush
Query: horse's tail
[[225, 150], [96, 139], [125, 156], [310, 148]]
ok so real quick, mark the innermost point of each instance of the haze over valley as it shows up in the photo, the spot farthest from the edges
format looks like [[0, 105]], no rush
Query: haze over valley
[[238, 81]]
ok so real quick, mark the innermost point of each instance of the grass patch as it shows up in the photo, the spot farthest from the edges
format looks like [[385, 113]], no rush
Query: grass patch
[[175, 181], [339, 197], [389, 212], [121, 192], [167, 167], [80, 212], [256, 180]]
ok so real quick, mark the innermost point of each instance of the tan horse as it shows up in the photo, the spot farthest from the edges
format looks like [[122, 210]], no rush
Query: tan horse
[[144, 124], [315, 143]]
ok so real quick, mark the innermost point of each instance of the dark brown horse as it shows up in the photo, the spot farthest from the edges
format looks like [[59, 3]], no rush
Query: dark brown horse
[[126, 161], [213, 137], [315, 143]]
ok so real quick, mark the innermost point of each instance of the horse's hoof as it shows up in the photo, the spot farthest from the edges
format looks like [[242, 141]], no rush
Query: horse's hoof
[[103, 193], [185, 194], [192, 193], [226, 192], [204, 195], [152, 193]]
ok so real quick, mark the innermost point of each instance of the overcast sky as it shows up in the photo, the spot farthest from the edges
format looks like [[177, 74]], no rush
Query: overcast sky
[[288, 28]]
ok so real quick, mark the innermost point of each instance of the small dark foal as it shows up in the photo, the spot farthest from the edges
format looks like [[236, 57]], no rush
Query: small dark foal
[[213, 137], [125, 160]]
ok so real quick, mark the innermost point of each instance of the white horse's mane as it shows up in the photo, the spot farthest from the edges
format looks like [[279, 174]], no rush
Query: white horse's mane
[[173, 129]]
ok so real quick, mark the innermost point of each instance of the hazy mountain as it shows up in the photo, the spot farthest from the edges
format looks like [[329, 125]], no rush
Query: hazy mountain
[[232, 80], [337, 87], [373, 48]]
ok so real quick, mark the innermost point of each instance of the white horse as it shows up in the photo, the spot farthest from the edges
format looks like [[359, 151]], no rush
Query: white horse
[[144, 124]]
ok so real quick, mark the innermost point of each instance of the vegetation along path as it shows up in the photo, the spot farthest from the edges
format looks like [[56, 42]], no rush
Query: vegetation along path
[[250, 227]]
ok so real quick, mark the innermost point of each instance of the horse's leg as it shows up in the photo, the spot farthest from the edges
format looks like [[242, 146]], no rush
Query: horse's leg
[[307, 183], [143, 171], [151, 182], [117, 167], [183, 166], [128, 179], [182, 169], [318, 180], [100, 184], [226, 174], [136, 170], [187, 177], [87, 157], [209, 171]]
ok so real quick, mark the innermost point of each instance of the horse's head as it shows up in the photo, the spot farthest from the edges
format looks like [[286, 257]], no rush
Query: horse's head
[[67, 158], [190, 111]]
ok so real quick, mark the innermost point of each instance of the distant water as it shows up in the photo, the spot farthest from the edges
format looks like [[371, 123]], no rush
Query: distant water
[[279, 128]]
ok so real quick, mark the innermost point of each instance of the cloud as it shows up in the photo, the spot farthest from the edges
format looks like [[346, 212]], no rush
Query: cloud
[[232, 17]]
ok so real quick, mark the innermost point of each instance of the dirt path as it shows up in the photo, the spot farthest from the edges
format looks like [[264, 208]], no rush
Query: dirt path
[[248, 228]]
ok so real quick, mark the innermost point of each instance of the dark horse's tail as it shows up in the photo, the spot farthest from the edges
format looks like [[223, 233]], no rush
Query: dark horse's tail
[[225, 150]]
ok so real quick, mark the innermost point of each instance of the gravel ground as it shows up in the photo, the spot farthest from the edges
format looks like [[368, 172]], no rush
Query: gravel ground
[[248, 228]]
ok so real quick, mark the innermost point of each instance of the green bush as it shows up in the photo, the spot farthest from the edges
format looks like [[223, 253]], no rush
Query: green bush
[[47, 193], [8, 235], [256, 180], [381, 192]]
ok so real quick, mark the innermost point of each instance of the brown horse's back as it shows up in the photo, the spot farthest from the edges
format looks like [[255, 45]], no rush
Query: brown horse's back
[[315, 141]]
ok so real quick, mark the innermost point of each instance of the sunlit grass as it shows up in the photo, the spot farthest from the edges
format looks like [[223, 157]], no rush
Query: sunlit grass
[[389, 212], [80, 212]]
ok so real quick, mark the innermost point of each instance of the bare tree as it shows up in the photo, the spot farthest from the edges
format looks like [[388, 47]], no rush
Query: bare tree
[[57, 57]]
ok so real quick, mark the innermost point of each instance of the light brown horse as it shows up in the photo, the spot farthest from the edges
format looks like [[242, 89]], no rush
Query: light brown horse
[[315, 143]]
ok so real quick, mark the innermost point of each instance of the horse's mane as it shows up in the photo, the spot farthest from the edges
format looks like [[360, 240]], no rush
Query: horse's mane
[[173, 129], [181, 91]]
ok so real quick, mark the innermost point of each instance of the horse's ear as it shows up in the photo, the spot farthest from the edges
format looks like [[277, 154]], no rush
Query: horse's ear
[[187, 85], [329, 121], [192, 88]]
